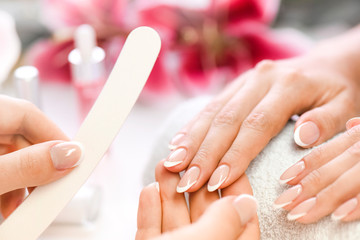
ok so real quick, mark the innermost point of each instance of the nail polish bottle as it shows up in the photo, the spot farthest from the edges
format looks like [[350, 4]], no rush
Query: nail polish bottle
[[87, 68], [27, 84]]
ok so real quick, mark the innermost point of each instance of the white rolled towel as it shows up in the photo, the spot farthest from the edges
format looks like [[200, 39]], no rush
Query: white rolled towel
[[263, 173]]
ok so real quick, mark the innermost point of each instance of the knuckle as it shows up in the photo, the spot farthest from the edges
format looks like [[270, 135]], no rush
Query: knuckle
[[211, 109], [291, 76], [28, 166], [234, 152], [258, 121], [354, 150], [225, 118], [315, 155], [354, 132], [264, 65], [312, 181], [203, 155]]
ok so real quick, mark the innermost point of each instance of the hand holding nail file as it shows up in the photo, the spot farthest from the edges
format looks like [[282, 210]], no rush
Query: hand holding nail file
[[97, 132]]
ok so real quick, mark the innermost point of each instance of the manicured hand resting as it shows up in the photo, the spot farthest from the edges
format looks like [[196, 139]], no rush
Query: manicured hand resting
[[163, 213], [323, 86], [327, 181], [33, 152]]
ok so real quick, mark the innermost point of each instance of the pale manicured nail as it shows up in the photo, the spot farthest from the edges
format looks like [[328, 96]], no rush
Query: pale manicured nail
[[176, 141], [66, 155], [218, 177], [352, 122], [156, 185], [292, 172], [344, 209], [175, 158], [188, 180], [246, 206], [306, 134], [302, 209], [287, 197]]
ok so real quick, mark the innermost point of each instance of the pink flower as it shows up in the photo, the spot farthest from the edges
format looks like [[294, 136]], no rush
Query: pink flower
[[9, 45], [217, 43]]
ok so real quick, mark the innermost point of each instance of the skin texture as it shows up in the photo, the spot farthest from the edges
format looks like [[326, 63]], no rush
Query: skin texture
[[331, 176], [165, 215], [26, 137], [321, 86]]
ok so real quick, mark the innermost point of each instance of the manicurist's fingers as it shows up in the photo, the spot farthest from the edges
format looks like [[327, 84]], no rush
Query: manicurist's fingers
[[23, 118], [38, 164], [149, 213], [174, 209], [199, 201], [11, 200], [225, 219], [320, 124]]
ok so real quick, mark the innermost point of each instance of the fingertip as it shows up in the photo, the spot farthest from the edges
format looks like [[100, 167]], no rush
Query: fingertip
[[306, 134], [246, 207], [352, 123]]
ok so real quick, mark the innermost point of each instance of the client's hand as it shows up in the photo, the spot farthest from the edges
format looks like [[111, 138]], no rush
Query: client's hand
[[163, 213], [326, 181], [28, 156], [217, 146]]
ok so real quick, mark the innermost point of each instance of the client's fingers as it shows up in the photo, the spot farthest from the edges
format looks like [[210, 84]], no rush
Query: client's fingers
[[174, 209], [149, 213], [348, 211], [11, 200], [38, 164], [224, 219]]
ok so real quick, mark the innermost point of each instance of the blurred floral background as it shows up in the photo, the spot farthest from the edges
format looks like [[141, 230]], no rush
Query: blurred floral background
[[206, 43]]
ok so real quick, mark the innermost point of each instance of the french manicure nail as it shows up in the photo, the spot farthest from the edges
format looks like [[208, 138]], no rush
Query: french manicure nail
[[66, 155], [156, 185], [175, 158], [344, 209], [287, 197], [302, 209], [292, 172], [188, 180], [176, 141], [218, 177], [246, 206], [352, 122], [306, 134]]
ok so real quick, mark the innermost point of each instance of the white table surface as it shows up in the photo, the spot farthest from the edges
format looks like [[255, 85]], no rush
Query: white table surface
[[119, 174]]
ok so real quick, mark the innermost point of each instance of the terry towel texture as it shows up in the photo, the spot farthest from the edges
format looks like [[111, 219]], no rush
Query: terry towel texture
[[263, 173]]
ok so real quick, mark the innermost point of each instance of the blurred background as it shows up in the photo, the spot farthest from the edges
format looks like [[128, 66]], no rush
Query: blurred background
[[206, 44]]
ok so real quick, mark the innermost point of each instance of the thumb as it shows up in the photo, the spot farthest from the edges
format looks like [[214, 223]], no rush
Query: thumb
[[224, 219], [322, 123], [38, 164]]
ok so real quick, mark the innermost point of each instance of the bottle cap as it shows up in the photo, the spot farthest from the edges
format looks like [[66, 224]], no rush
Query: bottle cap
[[27, 84]]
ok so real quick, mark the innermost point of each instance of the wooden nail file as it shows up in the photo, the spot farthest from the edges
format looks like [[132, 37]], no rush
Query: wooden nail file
[[97, 132]]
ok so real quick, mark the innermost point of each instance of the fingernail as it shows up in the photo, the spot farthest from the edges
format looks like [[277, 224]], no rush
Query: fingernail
[[176, 141], [175, 158], [302, 209], [344, 209], [156, 185], [287, 197], [66, 155], [246, 206], [188, 180], [352, 122], [218, 177], [306, 134], [292, 172]]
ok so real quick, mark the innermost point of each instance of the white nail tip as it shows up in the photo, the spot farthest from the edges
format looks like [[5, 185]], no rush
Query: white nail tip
[[156, 185], [297, 137], [171, 164], [216, 186], [284, 181], [172, 147], [291, 217], [278, 206], [184, 189], [337, 218]]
